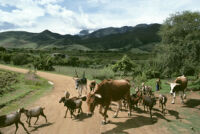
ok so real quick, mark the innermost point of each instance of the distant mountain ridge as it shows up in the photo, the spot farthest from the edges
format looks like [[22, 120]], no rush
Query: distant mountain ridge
[[125, 37]]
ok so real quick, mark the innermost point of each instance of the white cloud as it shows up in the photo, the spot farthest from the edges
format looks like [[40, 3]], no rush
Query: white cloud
[[67, 16]]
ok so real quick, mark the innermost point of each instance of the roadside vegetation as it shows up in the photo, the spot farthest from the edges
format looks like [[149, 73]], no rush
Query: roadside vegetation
[[16, 86]]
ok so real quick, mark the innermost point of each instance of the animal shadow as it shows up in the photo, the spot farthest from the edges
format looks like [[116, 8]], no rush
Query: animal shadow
[[161, 116], [81, 117], [41, 126], [134, 122], [192, 103], [174, 113]]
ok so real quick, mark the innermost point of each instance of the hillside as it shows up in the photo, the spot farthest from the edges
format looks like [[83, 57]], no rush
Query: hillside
[[123, 38]]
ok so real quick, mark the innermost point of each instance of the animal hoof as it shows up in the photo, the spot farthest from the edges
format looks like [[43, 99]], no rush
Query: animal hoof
[[173, 103]]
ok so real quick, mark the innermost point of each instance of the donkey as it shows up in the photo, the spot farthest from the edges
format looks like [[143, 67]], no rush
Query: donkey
[[80, 83]]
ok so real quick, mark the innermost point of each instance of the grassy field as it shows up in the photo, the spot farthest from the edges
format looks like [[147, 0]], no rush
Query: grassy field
[[26, 90]]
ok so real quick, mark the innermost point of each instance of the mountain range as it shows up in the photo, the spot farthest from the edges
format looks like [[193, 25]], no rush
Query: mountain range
[[110, 38]]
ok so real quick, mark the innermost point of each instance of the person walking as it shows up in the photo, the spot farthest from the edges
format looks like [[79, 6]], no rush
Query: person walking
[[158, 84]]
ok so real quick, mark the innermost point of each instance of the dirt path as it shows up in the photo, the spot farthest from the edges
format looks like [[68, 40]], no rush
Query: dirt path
[[139, 123]]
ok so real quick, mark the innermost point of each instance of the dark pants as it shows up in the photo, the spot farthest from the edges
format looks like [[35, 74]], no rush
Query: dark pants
[[157, 87]]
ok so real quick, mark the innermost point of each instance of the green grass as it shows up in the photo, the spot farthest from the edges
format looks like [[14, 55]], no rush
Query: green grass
[[164, 87], [189, 122], [23, 88]]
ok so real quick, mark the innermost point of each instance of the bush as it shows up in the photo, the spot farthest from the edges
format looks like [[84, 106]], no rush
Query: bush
[[21, 59], [44, 62], [105, 73]]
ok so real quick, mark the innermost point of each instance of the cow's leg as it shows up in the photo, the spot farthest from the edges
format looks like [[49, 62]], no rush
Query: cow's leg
[[100, 109], [129, 104], [174, 96], [105, 114], [182, 97], [118, 108]]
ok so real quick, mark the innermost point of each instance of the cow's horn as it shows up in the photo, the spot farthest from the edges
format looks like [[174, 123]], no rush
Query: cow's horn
[[98, 95]]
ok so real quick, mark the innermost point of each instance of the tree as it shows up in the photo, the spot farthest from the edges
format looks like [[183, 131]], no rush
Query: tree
[[44, 62], [125, 65], [180, 49]]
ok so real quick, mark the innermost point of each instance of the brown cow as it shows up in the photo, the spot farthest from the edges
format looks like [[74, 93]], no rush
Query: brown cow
[[107, 91], [180, 84]]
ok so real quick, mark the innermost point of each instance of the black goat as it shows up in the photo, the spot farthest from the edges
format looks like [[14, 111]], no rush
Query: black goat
[[149, 102], [72, 104]]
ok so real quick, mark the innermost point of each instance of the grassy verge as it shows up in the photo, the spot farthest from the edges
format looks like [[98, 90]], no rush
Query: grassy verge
[[25, 92], [187, 124]]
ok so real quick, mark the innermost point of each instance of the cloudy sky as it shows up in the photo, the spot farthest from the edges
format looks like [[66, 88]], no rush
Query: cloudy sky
[[71, 16]]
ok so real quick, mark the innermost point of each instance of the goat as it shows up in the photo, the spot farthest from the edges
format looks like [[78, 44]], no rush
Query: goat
[[7, 120], [72, 104], [134, 99], [162, 102], [149, 102], [34, 112]]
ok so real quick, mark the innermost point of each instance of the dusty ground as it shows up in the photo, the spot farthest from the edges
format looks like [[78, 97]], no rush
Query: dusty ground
[[138, 123]]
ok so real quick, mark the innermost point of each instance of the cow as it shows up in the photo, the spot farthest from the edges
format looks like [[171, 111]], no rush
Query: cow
[[179, 84], [80, 83], [107, 91], [92, 85]]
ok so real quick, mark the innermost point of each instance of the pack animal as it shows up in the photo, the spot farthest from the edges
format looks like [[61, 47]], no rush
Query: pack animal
[[179, 85], [107, 91], [13, 118], [80, 83]]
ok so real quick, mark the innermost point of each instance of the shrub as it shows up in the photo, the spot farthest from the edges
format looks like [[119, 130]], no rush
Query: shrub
[[105, 73]]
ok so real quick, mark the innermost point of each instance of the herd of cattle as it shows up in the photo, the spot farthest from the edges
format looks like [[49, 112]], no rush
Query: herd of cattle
[[102, 94]]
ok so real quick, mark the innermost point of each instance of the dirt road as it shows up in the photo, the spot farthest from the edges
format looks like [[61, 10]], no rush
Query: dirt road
[[138, 123]]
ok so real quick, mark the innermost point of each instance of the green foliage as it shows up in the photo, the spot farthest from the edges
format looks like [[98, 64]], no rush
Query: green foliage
[[7, 79], [2, 49], [180, 49], [43, 62], [21, 59], [125, 65], [105, 73], [5, 57], [73, 61]]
